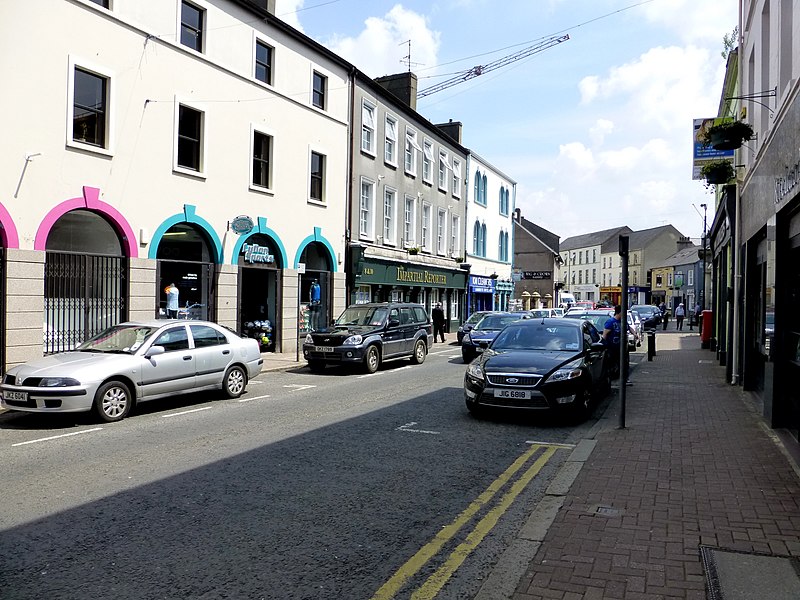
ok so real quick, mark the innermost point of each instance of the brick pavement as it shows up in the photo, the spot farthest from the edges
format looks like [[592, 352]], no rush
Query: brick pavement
[[695, 465]]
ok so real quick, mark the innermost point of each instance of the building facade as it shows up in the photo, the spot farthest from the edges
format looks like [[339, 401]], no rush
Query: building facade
[[536, 264], [172, 146], [582, 264]]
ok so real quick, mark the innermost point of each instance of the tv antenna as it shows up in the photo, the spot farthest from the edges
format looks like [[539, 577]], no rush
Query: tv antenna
[[406, 60]]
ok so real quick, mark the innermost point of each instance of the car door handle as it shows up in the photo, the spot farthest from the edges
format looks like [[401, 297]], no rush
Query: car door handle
[[187, 357], [226, 351]]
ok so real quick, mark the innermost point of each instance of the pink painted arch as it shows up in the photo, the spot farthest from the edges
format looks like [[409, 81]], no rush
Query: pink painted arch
[[91, 201], [8, 231]]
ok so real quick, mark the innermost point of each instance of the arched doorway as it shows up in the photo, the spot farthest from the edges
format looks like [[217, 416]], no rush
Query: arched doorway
[[185, 259], [315, 287], [260, 268], [85, 279]]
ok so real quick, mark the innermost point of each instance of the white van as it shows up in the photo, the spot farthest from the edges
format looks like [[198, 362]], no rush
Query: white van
[[565, 298]]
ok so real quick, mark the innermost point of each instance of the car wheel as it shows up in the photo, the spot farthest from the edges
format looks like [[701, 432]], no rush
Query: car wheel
[[112, 402], [603, 387], [467, 356], [475, 409], [372, 359], [234, 382], [316, 365], [419, 353]]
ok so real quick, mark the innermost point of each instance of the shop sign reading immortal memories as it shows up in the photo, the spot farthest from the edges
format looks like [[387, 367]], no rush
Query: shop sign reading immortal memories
[[253, 253]]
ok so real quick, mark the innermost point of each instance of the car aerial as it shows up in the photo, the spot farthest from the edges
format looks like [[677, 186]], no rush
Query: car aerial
[[369, 334], [599, 316], [470, 323], [538, 364], [134, 362], [485, 331], [650, 315]]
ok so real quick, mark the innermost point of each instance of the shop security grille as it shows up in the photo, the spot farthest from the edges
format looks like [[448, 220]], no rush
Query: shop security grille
[[83, 294]]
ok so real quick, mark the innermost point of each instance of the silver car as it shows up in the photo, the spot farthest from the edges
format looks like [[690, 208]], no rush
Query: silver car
[[134, 362]]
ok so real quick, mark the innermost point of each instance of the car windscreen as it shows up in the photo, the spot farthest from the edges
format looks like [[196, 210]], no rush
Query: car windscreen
[[122, 339], [538, 337], [495, 322], [363, 316], [474, 318]]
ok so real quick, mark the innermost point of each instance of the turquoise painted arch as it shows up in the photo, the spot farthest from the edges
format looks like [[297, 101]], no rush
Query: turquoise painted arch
[[189, 215], [316, 237], [261, 227]]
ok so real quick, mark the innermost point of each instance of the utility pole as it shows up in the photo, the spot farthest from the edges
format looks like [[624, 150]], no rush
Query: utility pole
[[623, 330], [703, 285]]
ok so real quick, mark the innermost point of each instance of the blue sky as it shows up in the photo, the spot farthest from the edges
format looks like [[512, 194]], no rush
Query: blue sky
[[596, 131]]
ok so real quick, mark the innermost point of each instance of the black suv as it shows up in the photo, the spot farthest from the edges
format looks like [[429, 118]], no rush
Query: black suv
[[370, 334]]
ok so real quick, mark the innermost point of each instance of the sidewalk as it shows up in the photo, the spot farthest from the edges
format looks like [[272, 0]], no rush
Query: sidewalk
[[281, 361], [695, 495]]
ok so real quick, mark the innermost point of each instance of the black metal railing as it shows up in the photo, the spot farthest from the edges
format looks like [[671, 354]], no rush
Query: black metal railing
[[83, 294]]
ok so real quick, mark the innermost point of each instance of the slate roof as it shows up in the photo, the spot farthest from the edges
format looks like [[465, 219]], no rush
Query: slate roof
[[684, 256], [597, 238], [546, 238]]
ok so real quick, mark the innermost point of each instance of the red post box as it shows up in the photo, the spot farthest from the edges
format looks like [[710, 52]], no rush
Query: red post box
[[706, 326]]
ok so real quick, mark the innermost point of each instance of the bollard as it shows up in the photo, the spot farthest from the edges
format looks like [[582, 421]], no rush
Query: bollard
[[651, 344]]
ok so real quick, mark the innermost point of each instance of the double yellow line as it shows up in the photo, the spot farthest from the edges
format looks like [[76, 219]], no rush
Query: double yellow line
[[436, 582]]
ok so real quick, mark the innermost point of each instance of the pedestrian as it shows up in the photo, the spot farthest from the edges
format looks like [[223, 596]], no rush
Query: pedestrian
[[680, 313], [612, 334], [437, 316], [172, 301]]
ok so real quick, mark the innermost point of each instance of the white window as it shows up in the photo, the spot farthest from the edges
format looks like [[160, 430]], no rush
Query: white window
[[409, 220], [454, 306], [456, 178], [441, 231], [366, 215], [426, 226], [189, 155], [412, 147], [455, 234], [368, 128], [390, 143], [261, 163], [427, 161], [444, 167], [389, 208], [89, 124]]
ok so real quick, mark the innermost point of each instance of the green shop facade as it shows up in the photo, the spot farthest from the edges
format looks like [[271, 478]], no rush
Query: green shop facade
[[378, 280]]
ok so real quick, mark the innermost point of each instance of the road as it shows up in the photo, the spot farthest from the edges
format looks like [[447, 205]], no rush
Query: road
[[332, 485]]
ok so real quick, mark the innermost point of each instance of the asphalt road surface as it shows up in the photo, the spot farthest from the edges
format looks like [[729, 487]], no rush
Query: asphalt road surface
[[336, 485]]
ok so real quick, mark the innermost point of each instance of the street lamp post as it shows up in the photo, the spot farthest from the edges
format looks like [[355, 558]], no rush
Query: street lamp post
[[703, 286]]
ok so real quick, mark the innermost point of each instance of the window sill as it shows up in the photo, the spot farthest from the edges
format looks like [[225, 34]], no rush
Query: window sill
[[261, 190], [368, 153], [184, 171], [316, 202], [90, 148]]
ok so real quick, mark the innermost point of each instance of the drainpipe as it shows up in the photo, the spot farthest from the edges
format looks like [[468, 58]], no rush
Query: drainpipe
[[737, 249]]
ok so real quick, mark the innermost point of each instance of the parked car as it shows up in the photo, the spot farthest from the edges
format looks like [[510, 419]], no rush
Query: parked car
[[599, 316], [540, 364], [369, 334], [470, 323], [584, 304], [485, 331], [538, 313], [134, 362], [650, 315]]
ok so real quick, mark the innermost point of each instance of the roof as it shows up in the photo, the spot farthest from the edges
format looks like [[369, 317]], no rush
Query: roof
[[684, 256], [546, 238], [642, 238], [596, 238]]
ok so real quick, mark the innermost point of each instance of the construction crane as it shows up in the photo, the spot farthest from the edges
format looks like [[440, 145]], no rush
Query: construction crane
[[501, 62]]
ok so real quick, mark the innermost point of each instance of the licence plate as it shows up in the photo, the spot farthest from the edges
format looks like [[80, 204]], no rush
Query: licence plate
[[21, 396], [515, 394], [323, 348]]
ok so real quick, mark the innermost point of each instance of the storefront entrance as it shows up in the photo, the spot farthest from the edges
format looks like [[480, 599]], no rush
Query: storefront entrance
[[259, 291], [315, 289], [184, 259]]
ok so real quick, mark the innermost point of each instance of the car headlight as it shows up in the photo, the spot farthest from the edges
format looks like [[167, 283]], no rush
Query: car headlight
[[569, 371], [309, 339], [475, 371], [353, 340], [58, 382], [467, 339]]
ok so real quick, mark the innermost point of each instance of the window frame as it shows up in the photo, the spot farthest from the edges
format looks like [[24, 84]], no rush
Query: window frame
[[369, 212], [455, 235], [269, 68], [426, 237], [410, 152], [322, 176], [202, 166], [457, 182], [441, 231], [201, 32], [409, 221], [444, 165], [107, 149], [257, 130], [316, 93], [389, 221], [389, 143], [368, 129], [427, 161]]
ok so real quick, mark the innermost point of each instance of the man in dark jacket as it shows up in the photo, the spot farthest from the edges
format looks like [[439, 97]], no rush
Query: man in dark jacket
[[437, 316]]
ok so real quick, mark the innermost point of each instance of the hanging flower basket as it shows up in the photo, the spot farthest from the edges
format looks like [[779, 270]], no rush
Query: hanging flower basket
[[718, 172], [728, 135]]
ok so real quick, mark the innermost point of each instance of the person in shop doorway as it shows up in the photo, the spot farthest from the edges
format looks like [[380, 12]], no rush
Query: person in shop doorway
[[437, 316], [172, 301], [680, 314], [313, 301]]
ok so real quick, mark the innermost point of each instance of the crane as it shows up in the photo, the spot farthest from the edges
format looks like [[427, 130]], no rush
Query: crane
[[501, 62]]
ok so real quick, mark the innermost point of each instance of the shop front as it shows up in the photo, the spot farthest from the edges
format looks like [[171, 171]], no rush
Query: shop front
[[611, 294], [480, 293], [260, 278], [382, 281], [315, 288]]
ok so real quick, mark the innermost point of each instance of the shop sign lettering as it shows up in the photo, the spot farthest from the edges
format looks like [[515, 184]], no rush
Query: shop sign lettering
[[537, 274], [368, 271], [785, 185], [253, 253], [420, 276], [242, 224]]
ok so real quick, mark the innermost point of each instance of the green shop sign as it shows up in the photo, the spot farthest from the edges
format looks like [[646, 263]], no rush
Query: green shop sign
[[389, 274]]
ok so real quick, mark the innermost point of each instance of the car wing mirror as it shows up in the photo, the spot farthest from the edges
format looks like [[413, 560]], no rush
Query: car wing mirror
[[394, 322], [483, 343], [598, 347], [154, 351]]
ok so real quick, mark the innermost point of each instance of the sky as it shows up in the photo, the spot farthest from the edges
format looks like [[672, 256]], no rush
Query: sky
[[596, 131]]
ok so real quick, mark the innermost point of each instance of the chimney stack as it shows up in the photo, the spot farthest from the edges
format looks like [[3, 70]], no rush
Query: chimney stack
[[402, 85]]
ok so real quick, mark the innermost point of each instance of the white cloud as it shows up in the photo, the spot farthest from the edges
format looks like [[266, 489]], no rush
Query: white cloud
[[695, 21], [601, 129], [386, 38], [287, 11]]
